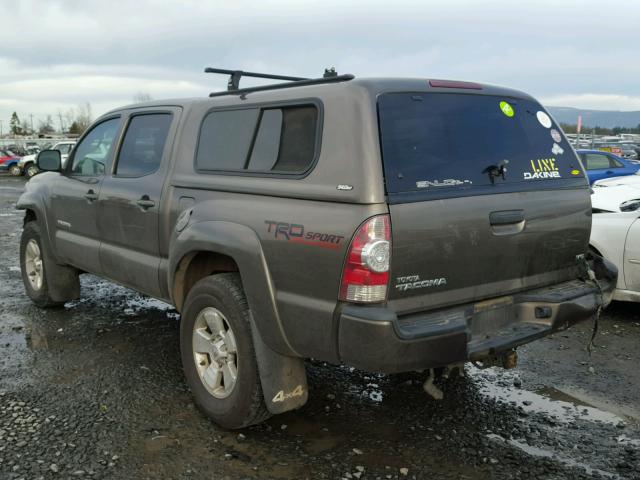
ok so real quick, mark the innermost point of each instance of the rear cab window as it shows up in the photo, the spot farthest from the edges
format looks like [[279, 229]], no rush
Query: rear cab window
[[271, 140], [454, 144]]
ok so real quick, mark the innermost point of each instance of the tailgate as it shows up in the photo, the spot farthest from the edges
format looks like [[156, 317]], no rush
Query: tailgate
[[485, 199], [466, 249]]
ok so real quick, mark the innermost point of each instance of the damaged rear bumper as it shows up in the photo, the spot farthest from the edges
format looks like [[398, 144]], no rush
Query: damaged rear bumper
[[374, 338]]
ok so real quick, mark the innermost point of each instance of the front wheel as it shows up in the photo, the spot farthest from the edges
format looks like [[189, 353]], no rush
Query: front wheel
[[33, 264], [15, 170], [31, 170], [218, 355]]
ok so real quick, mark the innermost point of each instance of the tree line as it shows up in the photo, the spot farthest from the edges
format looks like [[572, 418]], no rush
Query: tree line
[[74, 121], [572, 128]]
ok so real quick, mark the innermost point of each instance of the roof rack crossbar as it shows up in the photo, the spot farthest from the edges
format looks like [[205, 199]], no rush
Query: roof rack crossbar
[[234, 79], [233, 85]]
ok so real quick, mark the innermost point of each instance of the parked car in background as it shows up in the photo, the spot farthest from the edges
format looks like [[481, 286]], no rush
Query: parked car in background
[[618, 198], [631, 180], [28, 162], [616, 237], [16, 150], [9, 161], [629, 151], [600, 165], [608, 147]]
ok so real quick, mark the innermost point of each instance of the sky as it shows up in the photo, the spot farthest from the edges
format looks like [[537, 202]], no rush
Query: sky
[[58, 54]]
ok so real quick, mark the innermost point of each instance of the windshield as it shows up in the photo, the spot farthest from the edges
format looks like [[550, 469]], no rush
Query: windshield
[[437, 141]]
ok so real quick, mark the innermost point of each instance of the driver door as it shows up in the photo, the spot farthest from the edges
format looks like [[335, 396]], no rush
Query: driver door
[[75, 195]]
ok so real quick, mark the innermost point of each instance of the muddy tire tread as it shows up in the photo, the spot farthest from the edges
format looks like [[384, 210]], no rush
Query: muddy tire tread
[[43, 299], [230, 282]]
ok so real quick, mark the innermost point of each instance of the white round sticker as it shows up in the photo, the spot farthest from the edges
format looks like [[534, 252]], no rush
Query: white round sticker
[[544, 119]]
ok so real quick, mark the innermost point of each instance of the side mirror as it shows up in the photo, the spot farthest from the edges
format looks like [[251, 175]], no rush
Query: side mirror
[[49, 161]]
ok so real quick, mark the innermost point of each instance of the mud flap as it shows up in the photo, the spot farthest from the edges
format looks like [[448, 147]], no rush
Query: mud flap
[[283, 378], [63, 281]]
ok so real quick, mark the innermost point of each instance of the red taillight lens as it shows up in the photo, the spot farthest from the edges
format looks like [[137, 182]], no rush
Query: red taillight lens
[[366, 270]]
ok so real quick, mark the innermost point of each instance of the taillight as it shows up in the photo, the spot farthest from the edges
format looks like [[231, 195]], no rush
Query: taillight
[[366, 270]]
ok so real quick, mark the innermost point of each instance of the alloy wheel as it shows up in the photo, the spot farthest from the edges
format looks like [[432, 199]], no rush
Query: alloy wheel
[[215, 352]]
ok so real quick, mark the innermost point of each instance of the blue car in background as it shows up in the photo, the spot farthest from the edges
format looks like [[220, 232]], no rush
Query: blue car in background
[[600, 165]]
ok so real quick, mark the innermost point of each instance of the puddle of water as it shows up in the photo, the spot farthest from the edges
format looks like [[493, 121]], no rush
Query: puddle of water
[[138, 304], [373, 392], [317, 438], [542, 453], [624, 440], [559, 405], [130, 303]]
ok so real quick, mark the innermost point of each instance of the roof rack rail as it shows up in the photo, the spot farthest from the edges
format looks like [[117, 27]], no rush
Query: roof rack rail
[[233, 85]]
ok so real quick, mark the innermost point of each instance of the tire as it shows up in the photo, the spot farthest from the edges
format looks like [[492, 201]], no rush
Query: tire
[[214, 303], [15, 170], [34, 265], [31, 169]]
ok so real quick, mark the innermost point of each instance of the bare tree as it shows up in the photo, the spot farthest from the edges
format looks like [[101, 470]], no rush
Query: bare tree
[[46, 127], [79, 119]]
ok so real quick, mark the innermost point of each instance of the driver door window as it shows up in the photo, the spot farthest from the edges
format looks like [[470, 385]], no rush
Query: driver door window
[[92, 152]]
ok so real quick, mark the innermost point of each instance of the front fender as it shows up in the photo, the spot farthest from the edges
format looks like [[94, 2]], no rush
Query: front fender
[[243, 245], [34, 199]]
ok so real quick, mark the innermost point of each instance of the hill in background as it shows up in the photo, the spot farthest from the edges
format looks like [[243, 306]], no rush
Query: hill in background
[[596, 118]]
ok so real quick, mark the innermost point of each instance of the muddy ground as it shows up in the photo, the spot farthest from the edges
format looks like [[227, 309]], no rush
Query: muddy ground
[[95, 390]]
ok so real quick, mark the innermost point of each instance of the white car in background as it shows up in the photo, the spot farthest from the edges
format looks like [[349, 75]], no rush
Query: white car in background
[[28, 162], [629, 180], [616, 198], [616, 237]]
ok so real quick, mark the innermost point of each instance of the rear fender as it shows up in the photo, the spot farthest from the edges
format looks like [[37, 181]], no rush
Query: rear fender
[[282, 372]]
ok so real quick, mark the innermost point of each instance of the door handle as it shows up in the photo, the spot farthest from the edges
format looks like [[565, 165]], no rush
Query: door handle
[[91, 196], [506, 217], [145, 203], [507, 222], [609, 172]]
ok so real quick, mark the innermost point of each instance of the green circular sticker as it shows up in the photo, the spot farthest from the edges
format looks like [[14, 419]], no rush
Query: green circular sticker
[[506, 109]]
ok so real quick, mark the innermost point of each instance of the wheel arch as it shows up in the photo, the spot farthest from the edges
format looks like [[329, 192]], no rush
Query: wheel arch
[[195, 266], [34, 204], [595, 249], [29, 216], [209, 247]]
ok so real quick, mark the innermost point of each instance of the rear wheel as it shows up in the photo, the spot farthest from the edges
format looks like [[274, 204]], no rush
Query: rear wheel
[[15, 170], [31, 169], [218, 355]]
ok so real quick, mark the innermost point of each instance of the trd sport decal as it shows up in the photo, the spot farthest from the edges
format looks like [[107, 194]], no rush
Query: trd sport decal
[[296, 233]]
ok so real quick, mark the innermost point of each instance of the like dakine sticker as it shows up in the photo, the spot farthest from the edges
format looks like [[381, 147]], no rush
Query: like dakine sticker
[[543, 168]]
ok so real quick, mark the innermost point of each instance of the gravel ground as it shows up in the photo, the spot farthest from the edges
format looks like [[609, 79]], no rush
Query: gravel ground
[[95, 390]]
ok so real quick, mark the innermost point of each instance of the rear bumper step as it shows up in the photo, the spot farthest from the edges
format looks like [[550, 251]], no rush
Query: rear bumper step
[[375, 339]]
